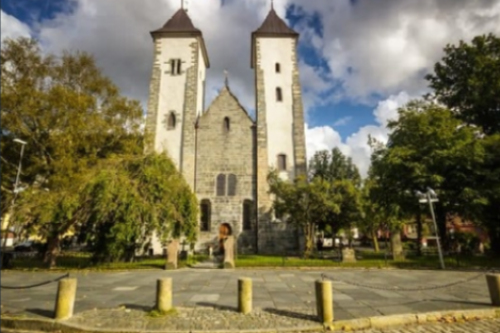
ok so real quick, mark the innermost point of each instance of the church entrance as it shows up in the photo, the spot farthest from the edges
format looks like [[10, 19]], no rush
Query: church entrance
[[224, 231]]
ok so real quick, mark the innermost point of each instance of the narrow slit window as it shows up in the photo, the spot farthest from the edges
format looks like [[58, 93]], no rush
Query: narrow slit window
[[221, 185], [226, 125], [279, 94], [277, 67], [172, 67], [247, 214], [231, 185], [171, 121], [179, 66], [206, 211], [282, 162]]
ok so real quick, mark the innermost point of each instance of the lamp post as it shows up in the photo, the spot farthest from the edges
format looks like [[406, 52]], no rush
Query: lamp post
[[16, 190], [429, 197]]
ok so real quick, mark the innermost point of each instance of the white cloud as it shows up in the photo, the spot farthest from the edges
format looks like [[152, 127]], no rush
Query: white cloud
[[383, 47], [342, 121], [356, 145], [372, 48], [12, 28]]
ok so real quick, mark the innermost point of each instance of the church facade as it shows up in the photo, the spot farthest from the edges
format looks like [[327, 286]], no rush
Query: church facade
[[223, 153]]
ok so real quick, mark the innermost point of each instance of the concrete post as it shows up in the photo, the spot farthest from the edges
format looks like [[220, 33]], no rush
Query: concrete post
[[65, 301], [324, 301], [164, 294], [245, 295], [493, 281]]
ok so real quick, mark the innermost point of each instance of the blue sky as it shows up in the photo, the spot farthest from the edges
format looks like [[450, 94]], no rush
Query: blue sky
[[360, 60]]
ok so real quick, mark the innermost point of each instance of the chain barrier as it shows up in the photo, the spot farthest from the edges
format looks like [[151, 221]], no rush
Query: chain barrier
[[397, 288], [36, 285]]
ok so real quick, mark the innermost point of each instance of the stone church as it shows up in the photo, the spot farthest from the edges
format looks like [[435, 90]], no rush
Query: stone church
[[223, 153]]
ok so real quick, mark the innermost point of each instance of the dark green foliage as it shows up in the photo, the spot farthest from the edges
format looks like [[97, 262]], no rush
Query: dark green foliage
[[467, 80], [129, 198]]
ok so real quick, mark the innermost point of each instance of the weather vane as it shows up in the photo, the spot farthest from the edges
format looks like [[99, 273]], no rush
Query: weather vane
[[226, 77], [185, 5]]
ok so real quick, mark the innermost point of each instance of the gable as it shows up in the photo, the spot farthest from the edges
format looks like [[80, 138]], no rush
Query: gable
[[226, 105]]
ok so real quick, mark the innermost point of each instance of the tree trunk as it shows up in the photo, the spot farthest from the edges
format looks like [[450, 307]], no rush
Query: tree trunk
[[494, 235], [53, 245], [441, 224], [376, 247], [397, 245], [419, 232], [309, 246]]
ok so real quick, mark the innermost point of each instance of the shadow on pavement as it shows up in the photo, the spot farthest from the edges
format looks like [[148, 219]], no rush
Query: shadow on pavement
[[42, 313], [138, 307], [290, 314], [217, 306], [461, 302]]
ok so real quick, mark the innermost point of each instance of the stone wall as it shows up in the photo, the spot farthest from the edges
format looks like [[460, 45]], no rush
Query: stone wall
[[264, 203], [188, 140], [280, 238], [226, 152], [299, 139], [154, 97]]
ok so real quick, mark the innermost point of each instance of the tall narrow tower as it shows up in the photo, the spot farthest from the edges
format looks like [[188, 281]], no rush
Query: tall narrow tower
[[176, 91], [279, 109]]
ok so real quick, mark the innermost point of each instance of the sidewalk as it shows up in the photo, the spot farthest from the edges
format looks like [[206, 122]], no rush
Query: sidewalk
[[206, 299]]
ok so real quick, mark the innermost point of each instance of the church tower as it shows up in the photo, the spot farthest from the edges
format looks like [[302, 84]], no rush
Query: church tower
[[280, 116], [176, 92]]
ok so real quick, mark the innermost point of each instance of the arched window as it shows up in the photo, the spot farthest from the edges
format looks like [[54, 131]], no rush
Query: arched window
[[279, 95], [281, 162], [277, 67], [231, 185], [247, 214], [226, 125], [171, 122], [221, 185], [206, 213]]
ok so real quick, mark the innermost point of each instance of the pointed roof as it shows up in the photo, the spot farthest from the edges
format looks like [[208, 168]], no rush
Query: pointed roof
[[180, 22], [274, 25]]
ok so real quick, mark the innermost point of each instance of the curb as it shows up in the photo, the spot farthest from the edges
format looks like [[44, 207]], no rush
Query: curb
[[381, 322], [378, 322]]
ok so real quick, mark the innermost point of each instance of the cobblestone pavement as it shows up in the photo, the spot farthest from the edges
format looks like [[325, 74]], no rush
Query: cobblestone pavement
[[483, 326], [272, 290]]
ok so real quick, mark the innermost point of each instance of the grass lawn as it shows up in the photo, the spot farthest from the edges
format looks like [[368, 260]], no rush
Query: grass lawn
[[82, 261], [366, 259]]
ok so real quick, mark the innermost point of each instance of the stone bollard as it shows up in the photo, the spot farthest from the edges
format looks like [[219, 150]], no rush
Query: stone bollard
[[245, 295], [164, 294], [493, 281], [324, 301], [65, 301]]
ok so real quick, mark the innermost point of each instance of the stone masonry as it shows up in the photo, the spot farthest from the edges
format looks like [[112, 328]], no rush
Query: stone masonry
[[226, 152], [209, 149], [154, 98], [188, 152], [298, 119]]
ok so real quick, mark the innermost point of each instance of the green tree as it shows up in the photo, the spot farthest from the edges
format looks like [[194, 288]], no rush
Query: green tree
[[467, 80], [129, 199], [303, 203], [345, 181], [71, 116], [428, 148]]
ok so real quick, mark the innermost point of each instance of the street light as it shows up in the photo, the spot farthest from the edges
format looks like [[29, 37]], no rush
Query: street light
[[429, 197], [16, 188]]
